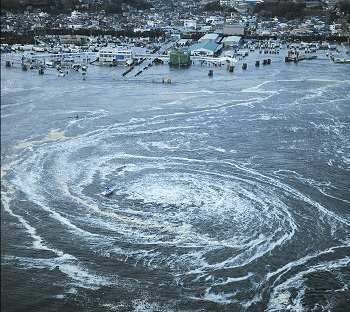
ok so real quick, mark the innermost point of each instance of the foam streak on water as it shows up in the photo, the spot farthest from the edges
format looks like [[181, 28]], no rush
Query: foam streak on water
[[227, 197]]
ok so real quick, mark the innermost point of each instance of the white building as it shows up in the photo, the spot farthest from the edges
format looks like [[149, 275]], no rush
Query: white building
[[212, 37], [75, 14], [335, 28], [190, 24], [232, 41], [107, 55], [114, 55], [123, 55]]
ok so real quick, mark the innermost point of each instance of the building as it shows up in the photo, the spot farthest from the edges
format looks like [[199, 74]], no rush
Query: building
[[233, 30], [123, 55], [232, 41], [73, 39], [206, 48], [215, 20], [335, 28], [183, 42], [237, 4], [229, 3], [107, 55], [190, 24], [313, 3], [114, 55], [179, 58], [211, 37]]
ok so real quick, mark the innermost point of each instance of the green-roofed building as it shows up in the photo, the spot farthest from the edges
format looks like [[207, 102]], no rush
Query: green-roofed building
[[179, 58]]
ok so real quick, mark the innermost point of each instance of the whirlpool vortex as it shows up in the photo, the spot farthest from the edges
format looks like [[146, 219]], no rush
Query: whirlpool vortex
[[226, 197], [211, 226]]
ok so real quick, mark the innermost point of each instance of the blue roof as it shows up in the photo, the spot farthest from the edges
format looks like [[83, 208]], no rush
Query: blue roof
[[207, 45]]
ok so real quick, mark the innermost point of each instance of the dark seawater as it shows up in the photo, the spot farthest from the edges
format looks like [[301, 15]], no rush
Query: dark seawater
[[231, 193]]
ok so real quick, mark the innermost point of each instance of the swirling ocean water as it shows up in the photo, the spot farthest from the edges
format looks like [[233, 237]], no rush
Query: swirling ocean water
[[232, 193]]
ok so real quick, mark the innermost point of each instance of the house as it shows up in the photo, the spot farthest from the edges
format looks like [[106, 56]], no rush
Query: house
[[206, 48]]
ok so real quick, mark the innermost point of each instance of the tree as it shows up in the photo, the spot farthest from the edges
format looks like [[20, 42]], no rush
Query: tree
[[213, 6], [344, 6], [65, 6], [289, 10]]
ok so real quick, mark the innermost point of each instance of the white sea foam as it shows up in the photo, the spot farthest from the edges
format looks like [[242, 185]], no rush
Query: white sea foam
[[281, 297], [70, 266], [192, 206]]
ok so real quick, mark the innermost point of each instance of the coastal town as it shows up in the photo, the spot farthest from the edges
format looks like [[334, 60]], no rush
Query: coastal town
[[225, 29]]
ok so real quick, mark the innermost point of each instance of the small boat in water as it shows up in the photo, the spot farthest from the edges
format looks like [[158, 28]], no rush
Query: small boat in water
[[107, 191]]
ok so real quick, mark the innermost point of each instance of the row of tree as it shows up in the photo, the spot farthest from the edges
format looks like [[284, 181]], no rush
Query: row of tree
[[292, 10], [282, 9], [66, 6], [344, 6], [288, 10]]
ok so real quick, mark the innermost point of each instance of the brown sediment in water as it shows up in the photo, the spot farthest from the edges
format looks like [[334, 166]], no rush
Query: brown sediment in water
[[53, 135]]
